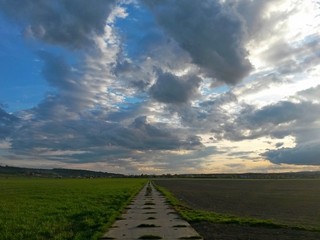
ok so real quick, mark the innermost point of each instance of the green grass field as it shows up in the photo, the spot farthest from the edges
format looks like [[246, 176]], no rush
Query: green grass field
[[62, 208]]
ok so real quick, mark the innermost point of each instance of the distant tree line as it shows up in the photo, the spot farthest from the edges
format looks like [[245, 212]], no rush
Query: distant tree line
[[55, 173]]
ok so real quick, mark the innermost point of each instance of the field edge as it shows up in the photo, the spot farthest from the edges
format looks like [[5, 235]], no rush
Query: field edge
[[194, 215], [112, 219]]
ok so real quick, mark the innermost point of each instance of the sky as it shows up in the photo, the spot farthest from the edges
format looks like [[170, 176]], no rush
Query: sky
[[154, 87]]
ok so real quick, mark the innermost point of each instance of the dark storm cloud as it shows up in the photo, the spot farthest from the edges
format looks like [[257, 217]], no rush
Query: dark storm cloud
[[213, 34], [7, 123], [56, 70], [303, 154], [142, 135], [306, 151], [71, 23], [282, 112], [97, 135], [173, 89]]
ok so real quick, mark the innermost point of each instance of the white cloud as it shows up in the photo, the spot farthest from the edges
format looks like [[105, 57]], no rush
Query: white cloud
[[5, 144], [145, 89]]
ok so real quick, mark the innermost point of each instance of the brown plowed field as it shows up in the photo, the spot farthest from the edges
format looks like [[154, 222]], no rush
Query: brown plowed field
[[292, 202]]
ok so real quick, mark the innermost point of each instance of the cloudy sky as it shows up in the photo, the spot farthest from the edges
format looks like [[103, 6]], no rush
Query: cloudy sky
[[171, 86]]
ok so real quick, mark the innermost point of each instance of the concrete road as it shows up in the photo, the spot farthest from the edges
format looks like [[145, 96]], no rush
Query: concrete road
[[149, 216]]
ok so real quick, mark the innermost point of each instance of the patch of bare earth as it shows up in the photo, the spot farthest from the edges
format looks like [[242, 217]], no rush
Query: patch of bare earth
[[212, 231], [291, 202]]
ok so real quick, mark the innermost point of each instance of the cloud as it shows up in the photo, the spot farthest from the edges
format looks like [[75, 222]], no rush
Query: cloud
[[283, 112], [259, 23], [173, 89], [208, 114], [96, 138], [303, 154], [212, 33], [81, 81], [7, 123], [278, 120], [79, 78], [56, 70], [72, 89], [72, 119], [178, 161], [282, 35], [243, 154], [142, 83], [71, 23], [286, 118], [296, 58], [311, 94]]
